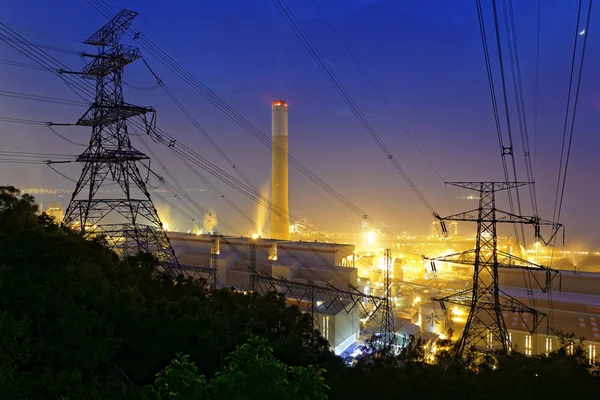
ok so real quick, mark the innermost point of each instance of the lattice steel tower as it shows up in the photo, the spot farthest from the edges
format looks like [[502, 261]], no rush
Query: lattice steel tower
[[486, 301], [127, 217], [388, 335]]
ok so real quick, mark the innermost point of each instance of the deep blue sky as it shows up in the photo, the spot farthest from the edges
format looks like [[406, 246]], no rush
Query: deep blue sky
[[424, 57]]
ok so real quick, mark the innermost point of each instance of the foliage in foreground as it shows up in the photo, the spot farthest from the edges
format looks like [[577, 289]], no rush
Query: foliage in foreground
[[251, 372], [78, 323]]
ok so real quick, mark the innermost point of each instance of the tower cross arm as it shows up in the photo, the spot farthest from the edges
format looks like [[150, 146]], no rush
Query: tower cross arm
[[500, 216], [329, 290], [111, 113], [504, 216], [487, 186], [468, 257], [113, 30], [462, 298], [507, 303], [469, 216], [464, 257]]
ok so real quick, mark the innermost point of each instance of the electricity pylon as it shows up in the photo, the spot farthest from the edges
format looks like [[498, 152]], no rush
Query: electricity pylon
[[486, 301], [128, 218], [388, 331], [252, 266]]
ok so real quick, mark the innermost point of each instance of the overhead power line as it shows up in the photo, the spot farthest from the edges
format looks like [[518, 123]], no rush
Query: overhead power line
[[377, 92], [324, 66], [22, 121], [22, 28], [200, 128], [537, 81], [56, 48], [212, 97], [21, 64], [504, 150], [562, 180], [45, 99], [511, 38], [85, 90], [141, 87], [179, 188]]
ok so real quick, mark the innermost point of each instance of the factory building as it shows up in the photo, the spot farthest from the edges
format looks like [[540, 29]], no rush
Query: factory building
[[55, 211], [574, 304], [339, 327], [297, 262], [573, 307], [315, 263]]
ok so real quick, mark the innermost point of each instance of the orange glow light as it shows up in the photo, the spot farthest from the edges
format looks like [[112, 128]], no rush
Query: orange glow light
[[279, 103]]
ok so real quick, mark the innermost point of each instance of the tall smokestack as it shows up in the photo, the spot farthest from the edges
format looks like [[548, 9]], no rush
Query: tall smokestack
[[280, 224]]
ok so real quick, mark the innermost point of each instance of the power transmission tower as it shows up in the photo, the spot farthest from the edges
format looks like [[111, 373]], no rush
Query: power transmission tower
[[215, 249], [387, 319], [252, 267], [486, 301], [127, 219]]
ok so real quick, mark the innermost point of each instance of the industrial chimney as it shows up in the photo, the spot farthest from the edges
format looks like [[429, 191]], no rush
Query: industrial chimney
[[280, 220]]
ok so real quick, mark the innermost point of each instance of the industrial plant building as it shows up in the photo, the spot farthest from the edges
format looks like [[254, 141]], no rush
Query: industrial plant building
[[319, 264], [571, 306], [575, 307]]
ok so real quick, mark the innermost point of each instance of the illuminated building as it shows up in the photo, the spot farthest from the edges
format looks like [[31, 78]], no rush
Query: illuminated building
[[454, 228], [340, 327], [434, 229], [280, 220], [55, 211], [300, 262]]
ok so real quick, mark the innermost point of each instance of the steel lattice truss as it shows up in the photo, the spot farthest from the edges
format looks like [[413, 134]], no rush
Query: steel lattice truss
[[309, 296], [129, 221], [485, 323], [208, 274], [387, 322], [326, 296]]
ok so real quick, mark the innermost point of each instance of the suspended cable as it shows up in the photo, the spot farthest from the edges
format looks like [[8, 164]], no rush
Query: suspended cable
[[21, 64], [385, 102], [177, 185], [40, 57], [504, 150], [49, 126], [61, 174], [510, 149], [140, 87], [511, 36], [199, 127], [537, 73], [559, 197], [45, 99], [13, 161], [34, 154], [324, 66], [45, 33], [55, 48], [513, 52], [198, 86], [574, 113], [326, 262], [22, 121], [75, 84], [246, 258]]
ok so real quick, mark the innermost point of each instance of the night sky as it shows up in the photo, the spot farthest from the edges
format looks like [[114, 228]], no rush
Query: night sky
[[424, 57]]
